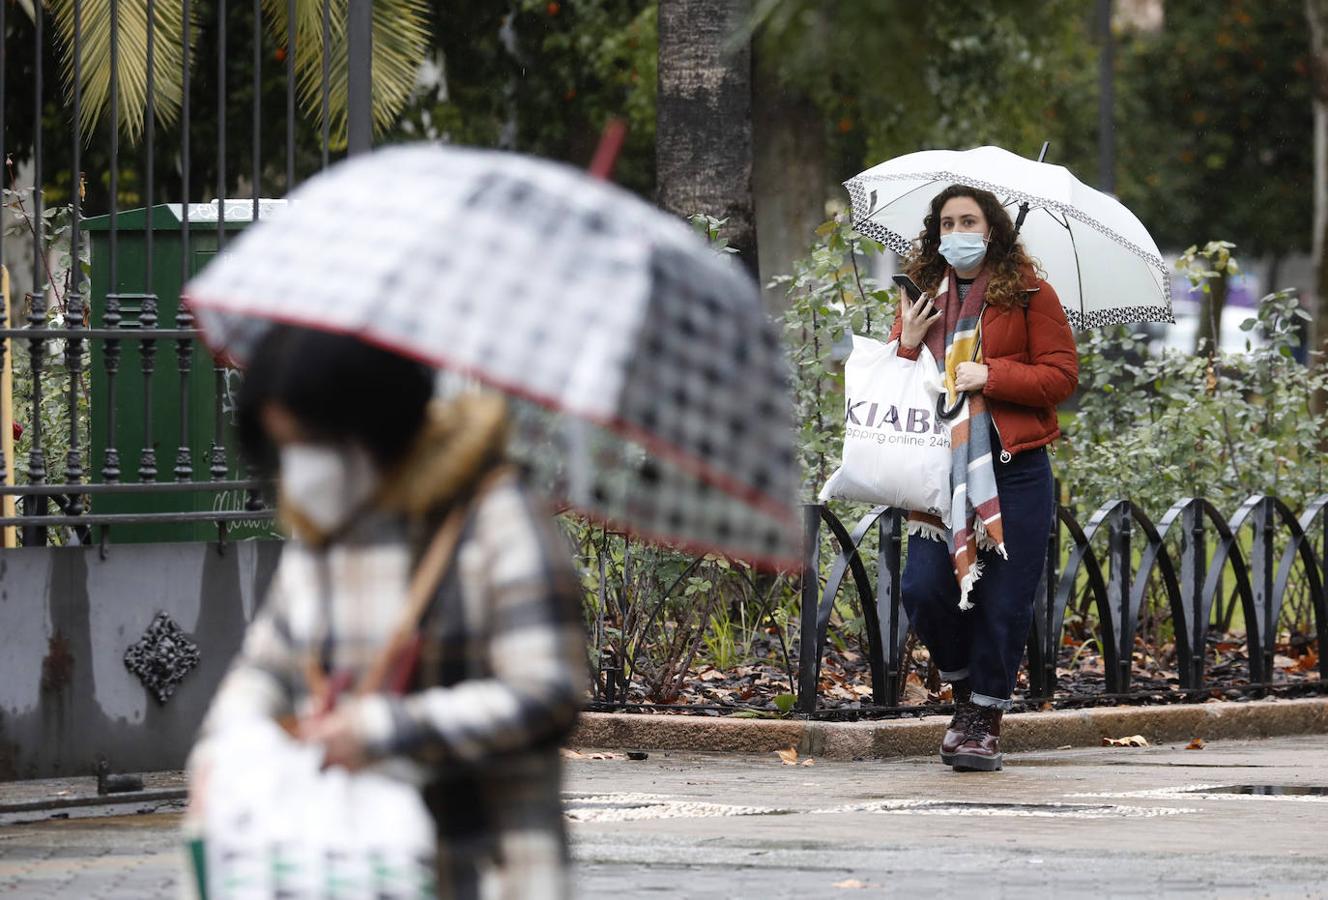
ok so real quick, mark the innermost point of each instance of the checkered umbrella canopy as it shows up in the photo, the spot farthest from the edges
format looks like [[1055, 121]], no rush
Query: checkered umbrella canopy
[[654, 390]]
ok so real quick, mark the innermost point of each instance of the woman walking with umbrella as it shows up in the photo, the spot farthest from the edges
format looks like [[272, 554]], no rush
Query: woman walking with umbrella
[[379, 485], [997, 329], [425, 590]]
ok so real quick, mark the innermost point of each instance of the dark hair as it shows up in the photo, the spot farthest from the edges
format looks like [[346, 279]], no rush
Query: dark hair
[[339, 388], [1005, 255]]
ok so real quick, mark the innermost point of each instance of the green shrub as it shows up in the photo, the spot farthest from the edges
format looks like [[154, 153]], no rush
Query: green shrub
[[1156, 428]]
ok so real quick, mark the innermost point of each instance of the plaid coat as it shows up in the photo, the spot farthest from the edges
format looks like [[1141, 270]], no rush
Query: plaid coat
[[502, 666]]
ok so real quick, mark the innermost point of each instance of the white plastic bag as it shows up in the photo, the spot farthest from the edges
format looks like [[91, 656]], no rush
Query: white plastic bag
[[896, 449], [274, 825]]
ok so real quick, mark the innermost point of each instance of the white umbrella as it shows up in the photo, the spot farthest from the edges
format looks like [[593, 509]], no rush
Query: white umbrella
[[1097, 254]]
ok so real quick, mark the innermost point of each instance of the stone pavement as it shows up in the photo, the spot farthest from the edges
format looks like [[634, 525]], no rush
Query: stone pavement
[[1104, 821], [844, 828]]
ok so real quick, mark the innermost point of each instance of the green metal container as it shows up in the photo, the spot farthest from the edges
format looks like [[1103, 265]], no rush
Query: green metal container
[[129, 395]]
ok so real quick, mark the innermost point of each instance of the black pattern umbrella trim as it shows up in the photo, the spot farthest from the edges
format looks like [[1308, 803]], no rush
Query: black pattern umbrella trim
[[1120, 315], [862, 211]]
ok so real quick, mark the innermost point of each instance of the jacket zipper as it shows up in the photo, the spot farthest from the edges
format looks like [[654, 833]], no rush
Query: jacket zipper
[[1005, 454]]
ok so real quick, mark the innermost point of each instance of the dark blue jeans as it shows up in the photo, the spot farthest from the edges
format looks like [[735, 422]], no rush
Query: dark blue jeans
[[986, 644]]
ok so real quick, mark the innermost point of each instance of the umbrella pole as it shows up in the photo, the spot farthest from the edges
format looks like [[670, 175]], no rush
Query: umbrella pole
[[1023, 207], [606, 154]]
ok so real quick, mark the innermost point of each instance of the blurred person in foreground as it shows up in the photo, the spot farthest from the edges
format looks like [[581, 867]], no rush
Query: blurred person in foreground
[[997, 330], [369, 467]]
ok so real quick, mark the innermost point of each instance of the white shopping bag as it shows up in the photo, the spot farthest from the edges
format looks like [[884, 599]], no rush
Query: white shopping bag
[[896, 449], [274, 825]]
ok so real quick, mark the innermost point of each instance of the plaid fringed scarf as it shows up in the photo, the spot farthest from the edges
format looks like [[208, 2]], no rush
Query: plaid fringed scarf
[[975, 510]]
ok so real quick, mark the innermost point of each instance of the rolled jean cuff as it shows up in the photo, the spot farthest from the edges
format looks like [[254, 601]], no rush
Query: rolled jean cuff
[[994, 702], [951, 677]]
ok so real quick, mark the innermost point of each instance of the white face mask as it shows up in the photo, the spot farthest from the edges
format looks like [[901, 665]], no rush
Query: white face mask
[[964, 250], [327, 484]]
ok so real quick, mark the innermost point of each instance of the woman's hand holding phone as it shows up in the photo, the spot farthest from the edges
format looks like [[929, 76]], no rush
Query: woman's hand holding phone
[[918, 315]]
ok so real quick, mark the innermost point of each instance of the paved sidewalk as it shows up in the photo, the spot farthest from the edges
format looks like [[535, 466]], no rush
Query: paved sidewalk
[[1103, 821], [849, 828]]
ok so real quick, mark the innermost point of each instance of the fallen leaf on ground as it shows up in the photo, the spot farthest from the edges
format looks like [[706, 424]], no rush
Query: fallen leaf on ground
[[789, 756], [851, 884], [1065, 747], [1196, 744], [1310, 660], [1134, 740], [573, 754], [914, 690], [809, 761]]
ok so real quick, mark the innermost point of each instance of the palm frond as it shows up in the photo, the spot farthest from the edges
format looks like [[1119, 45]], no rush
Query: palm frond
[[132, 64], [401, 41]]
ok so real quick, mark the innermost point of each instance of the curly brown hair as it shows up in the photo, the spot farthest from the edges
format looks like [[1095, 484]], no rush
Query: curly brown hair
[[1005, 254]]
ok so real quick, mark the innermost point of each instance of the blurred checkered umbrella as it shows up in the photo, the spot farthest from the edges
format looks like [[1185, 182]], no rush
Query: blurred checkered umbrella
[[660, 385]]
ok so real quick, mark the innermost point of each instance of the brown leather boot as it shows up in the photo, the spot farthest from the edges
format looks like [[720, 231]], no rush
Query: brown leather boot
[[957, 731], [981, 750]]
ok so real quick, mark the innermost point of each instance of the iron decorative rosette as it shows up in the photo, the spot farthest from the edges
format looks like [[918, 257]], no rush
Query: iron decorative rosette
[[162, 657]]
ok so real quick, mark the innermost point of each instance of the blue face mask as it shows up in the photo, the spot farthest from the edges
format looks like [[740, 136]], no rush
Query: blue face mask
[[963, 249]]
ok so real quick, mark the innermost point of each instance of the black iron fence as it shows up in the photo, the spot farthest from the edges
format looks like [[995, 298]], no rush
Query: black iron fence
[[1112, 563], [142, 436], [76, 343]]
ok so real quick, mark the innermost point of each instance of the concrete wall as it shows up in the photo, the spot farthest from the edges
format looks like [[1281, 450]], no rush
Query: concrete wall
[[66, 618]]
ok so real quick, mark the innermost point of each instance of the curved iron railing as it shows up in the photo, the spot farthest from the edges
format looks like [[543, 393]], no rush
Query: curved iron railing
[[1118, 586]]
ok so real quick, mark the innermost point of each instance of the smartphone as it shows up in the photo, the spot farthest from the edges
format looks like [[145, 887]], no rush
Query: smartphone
[[910, 288]]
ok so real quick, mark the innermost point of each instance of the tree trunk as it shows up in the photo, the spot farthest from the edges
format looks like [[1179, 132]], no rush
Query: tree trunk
[[1208, 338], [1317, 11], [788, 176], [1274, 276], [703, 138], [1317, 14], [1106, 100]]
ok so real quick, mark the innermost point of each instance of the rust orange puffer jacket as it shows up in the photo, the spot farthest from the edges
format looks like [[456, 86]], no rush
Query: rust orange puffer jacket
[[1032, 365]]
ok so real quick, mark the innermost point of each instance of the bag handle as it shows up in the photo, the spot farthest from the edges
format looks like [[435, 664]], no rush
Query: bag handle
[[941, 411], [402, 647]]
